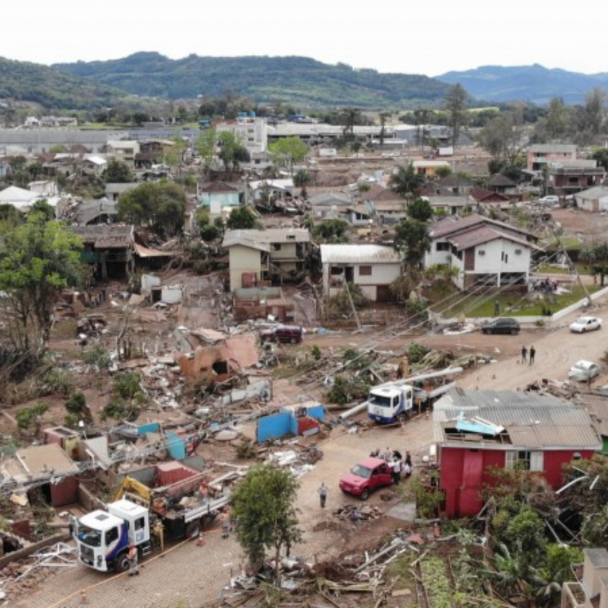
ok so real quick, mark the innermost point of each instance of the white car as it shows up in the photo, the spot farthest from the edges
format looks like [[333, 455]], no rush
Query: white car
[[583, 370], [551, 199], [583, 324]]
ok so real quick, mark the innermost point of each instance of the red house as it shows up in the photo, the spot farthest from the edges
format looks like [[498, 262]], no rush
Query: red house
[[475, 430]]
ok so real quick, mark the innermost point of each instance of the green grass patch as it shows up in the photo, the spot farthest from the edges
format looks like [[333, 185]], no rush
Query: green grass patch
[[514, 305], [548, 269], [568, 242]]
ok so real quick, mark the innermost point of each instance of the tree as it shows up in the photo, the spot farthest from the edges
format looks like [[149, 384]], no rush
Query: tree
[[160, 205], [174, 156], [38, 259], [601, 156], [232, 152], [10, 214], [557, 122], [264, 506], [593, 117], [597, 258], [117, 172], [504, 137], [349, 118], [43, 210], [420, 209], [413, 241], [206, 146], [455, 104], [288, 151], [406, 181], [331, 231], [242, 218], [383, 118]]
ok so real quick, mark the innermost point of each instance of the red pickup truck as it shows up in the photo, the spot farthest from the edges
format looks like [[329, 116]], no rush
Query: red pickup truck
[[369, 475]]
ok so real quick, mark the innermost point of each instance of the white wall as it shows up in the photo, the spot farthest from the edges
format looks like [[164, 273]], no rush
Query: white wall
[[437, 257], [492, 262], [382, 274]]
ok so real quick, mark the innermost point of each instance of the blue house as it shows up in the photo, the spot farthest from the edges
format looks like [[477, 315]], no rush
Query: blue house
[[217, 196]]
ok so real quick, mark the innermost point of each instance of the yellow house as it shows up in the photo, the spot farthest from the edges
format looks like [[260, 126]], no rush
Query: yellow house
[[265, 255], [429, 167]]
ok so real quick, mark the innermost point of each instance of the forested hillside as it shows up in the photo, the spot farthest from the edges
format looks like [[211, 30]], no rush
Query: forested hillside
[[288, 79]]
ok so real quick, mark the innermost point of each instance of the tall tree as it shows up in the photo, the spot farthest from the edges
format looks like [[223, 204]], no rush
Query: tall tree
[[412, 239], [504, 137], [405, 182], [556, 123], [242, 218], [232, 152], [593, 115], [597, 258], [159, 205], [264, 505], [288, 151], [38, 259], [384, 116], [117, 172], [420, 209], [456, 106], [206, 146]]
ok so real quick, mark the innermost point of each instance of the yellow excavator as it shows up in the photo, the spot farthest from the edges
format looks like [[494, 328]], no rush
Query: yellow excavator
[[135, 491]]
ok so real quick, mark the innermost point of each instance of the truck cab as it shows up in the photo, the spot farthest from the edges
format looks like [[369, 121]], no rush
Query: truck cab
[[103, 537], [387, 403]]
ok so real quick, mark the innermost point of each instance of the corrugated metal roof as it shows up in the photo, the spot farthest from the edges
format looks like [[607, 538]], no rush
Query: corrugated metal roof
[[531, 420], [261, 239], [359, 254], [593, 193], [58, 136], [555, 148]]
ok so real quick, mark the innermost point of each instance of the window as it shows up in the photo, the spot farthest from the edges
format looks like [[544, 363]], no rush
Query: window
[[527, 461], [139, 523], [291, 237], [442, 247], [518, 252], [276, 246], [111, 536], [365, 271], [481, 252]]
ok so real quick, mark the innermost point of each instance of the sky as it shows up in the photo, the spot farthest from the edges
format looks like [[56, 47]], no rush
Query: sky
[[426, 37]]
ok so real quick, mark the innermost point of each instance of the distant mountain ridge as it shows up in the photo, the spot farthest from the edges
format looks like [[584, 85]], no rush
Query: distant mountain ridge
[[35, 83], [533, 83], [264, 79]]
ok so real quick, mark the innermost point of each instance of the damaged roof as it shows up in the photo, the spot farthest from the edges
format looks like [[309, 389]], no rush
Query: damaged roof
[[105, 236], [37, 462], [449, 226], [531, 421]]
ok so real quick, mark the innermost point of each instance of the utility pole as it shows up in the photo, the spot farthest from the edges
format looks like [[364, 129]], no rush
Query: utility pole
[[572, 265], [350, 298]]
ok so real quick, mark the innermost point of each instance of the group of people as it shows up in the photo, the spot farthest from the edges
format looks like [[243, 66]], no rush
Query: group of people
[[399, 465], [527, 356], [545, 286]]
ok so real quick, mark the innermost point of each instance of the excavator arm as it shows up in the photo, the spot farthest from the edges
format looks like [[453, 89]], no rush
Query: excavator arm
[[134, 490]]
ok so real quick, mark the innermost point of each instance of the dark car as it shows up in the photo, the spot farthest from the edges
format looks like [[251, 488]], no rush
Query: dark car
[[501, 326], [282, 333]]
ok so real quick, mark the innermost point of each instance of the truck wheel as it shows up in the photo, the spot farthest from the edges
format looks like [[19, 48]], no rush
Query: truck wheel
[[513, 332], [122, 563], [292, 340], [365, 494], [193, 529]]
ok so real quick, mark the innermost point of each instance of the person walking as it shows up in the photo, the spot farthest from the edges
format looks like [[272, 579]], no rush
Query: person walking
[[132, 558], [408, 459], [322, 494], [397, 471], [496, 308], [532, 354], [225, 521], [524, 354]]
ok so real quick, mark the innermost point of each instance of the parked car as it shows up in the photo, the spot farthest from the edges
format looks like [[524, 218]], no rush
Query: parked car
[[501, 326], [583, 370], [369, 475], [583, 324], [550, 199], [282, 333]]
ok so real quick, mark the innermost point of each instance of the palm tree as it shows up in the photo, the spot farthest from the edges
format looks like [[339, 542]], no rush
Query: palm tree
[[406, 181]]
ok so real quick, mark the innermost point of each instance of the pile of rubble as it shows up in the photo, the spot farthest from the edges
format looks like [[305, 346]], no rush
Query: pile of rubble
[[354, 513]]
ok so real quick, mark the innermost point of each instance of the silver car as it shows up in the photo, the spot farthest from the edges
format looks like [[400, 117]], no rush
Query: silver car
[[583, 370]]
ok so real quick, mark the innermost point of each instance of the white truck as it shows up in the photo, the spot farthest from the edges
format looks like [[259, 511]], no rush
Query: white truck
[[103, 536], [388, 402]]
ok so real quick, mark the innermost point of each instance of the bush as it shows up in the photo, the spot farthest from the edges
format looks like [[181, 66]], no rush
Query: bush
[[127, 386], [341, 301], [315, 351], [345, 389], [245, 450], [26, 416], [57, 381], [76, 406], [416, 352], [98, 356]]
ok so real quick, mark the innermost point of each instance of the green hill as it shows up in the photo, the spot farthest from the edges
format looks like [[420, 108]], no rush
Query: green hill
[[51, 88], [289, 79]]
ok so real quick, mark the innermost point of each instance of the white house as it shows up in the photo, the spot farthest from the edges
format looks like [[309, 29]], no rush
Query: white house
[[123, 150], [24, 199], [593, 199], [372, 267], [485, 251]]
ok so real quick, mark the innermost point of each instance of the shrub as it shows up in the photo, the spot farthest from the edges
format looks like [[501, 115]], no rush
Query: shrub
[[57, 381], [98, 356], [27, 415], [315, 351]]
